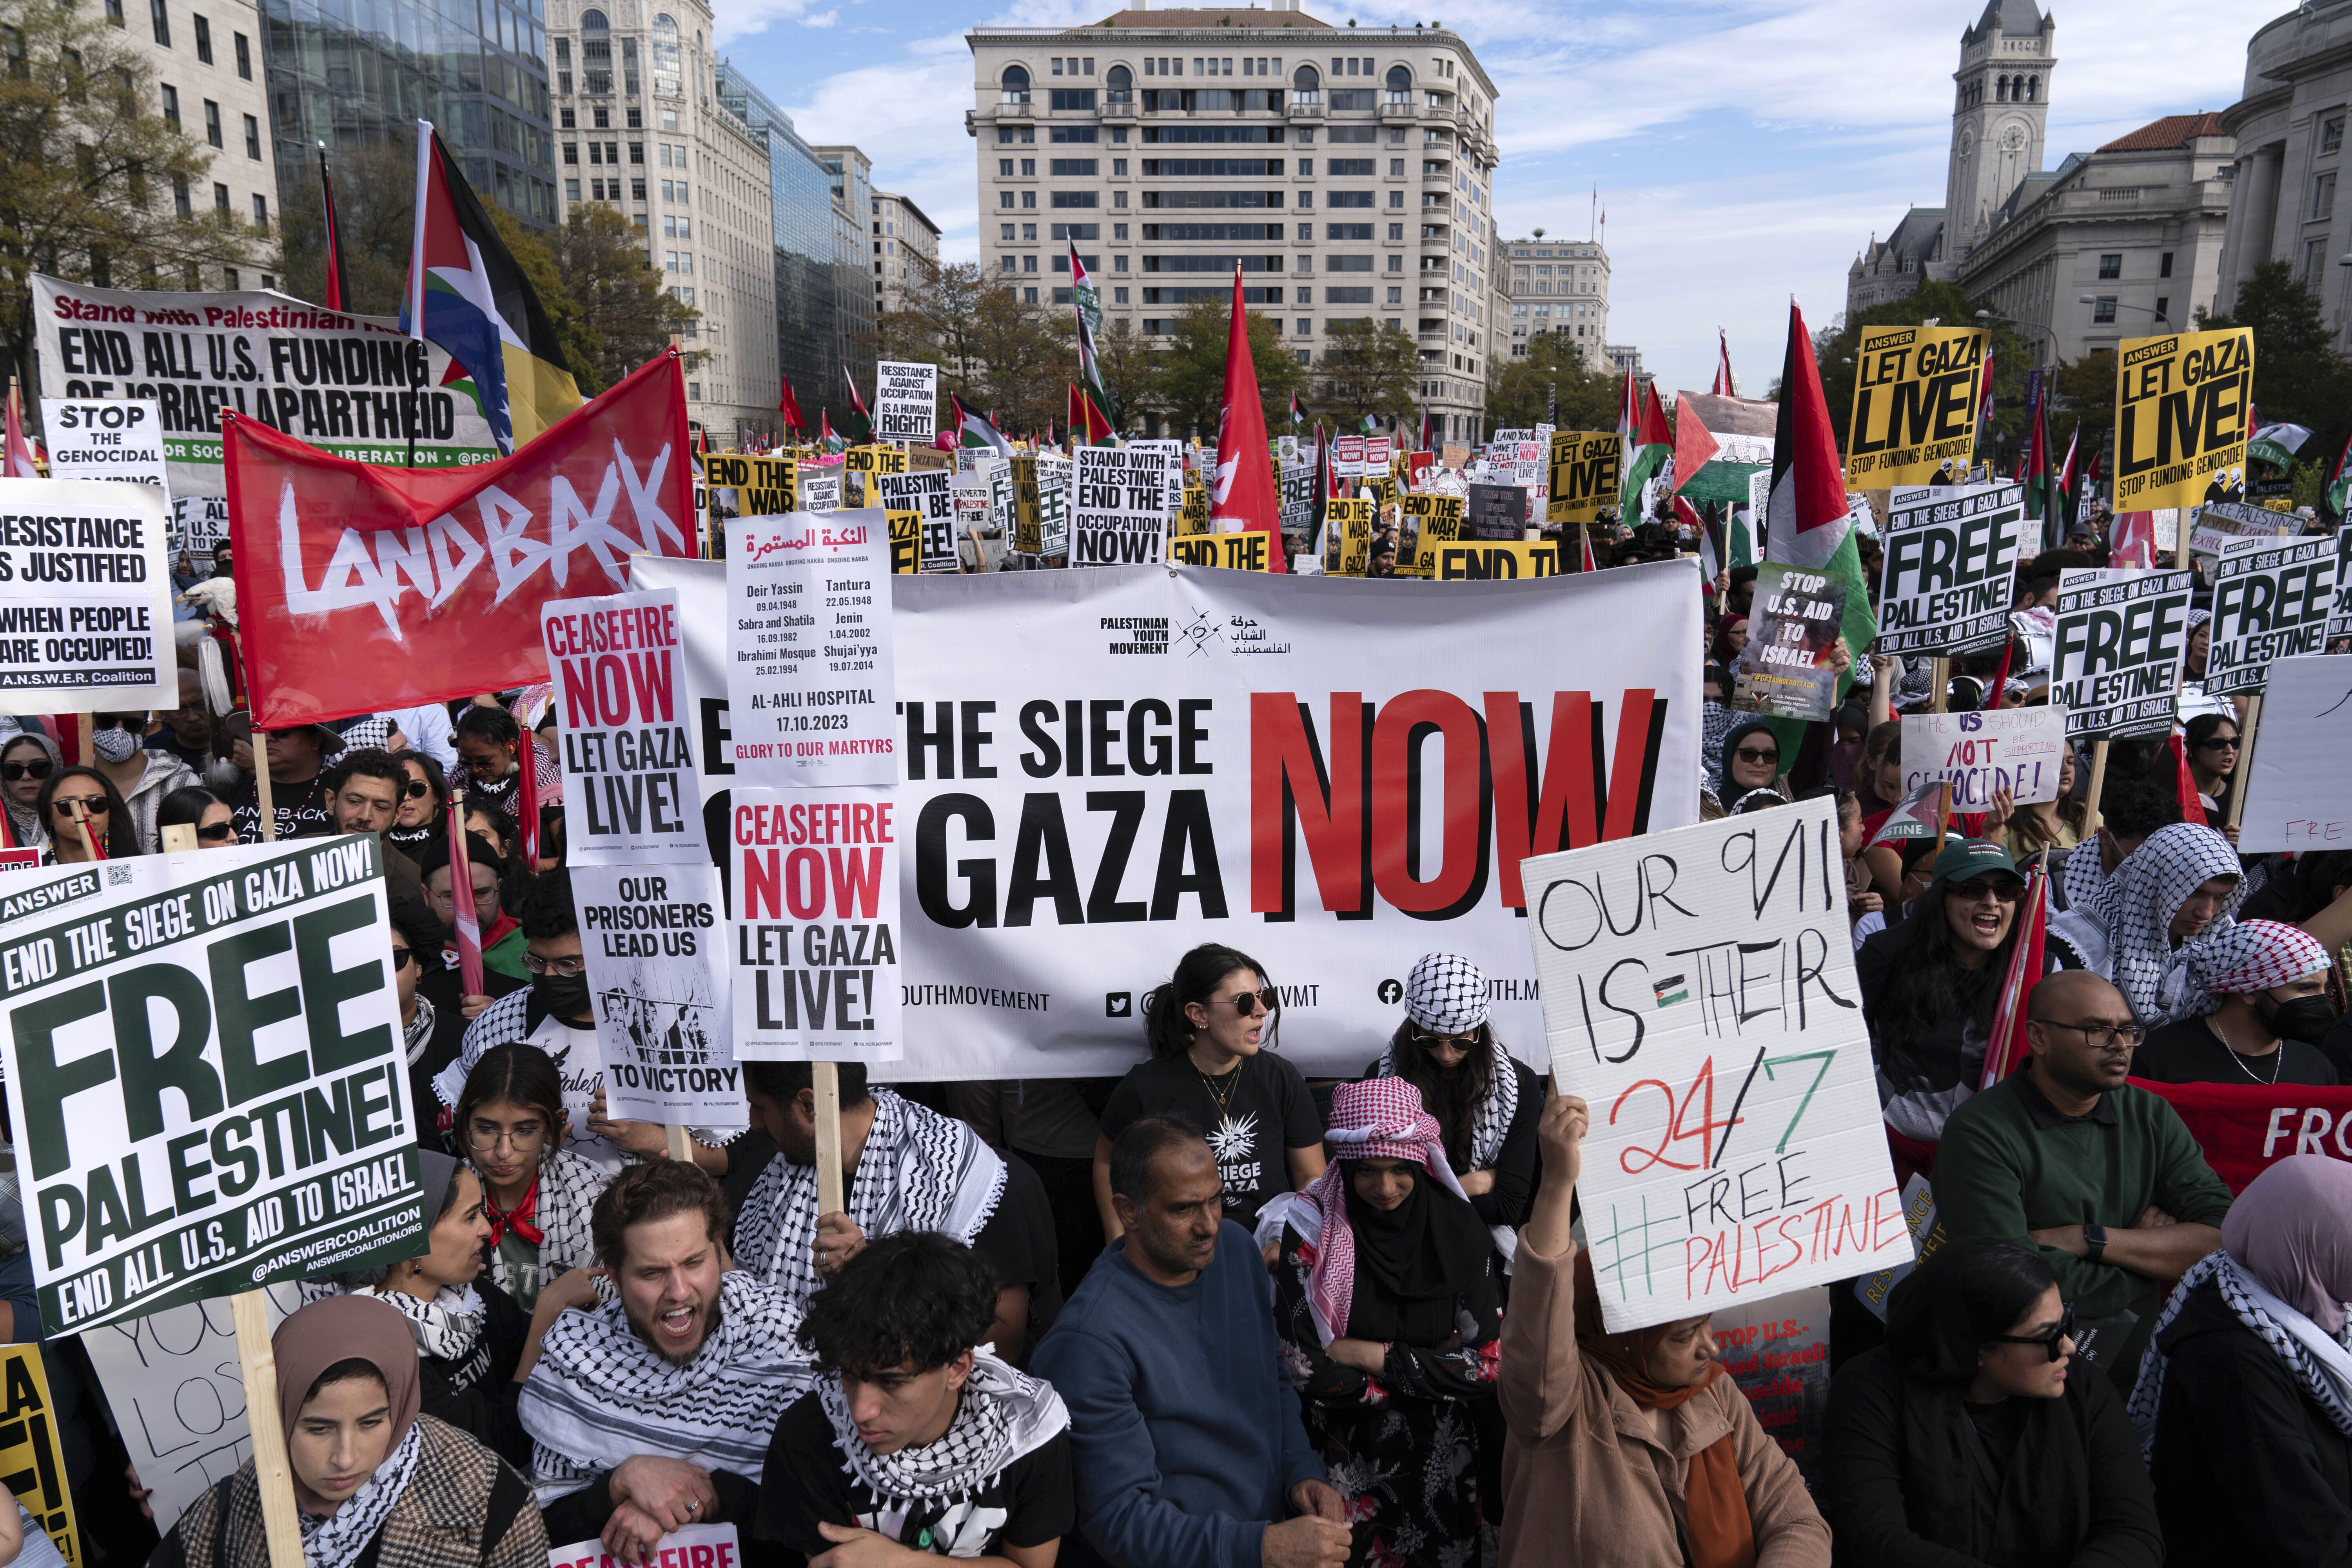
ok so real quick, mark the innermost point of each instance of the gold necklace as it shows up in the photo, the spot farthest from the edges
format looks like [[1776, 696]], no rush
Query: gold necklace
[[1231, 1077]]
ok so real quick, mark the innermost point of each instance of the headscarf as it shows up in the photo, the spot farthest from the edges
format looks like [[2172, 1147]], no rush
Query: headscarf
[[1731, 745], [2252, 955], [2134, 909], [1714, 1503], [1720, 653], [345, 1327], [1446, 994], [1427, 1249], [448, 1326], [24, 824]]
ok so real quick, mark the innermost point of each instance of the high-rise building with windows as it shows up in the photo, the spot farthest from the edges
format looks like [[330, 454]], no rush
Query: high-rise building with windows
[[849, 174], [1348, 172], [906, 250], [208, 62], [1555, 286]]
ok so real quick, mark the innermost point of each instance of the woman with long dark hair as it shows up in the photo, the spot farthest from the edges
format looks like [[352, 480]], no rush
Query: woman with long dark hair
[[2210, 743], [27, 762], [537, 1194], [109, 821], [193, 806], [1212, 1027], [424, 809], [2046, 825], [1970, 1437]]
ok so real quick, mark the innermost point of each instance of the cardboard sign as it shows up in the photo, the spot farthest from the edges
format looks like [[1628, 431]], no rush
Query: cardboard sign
[[85, 600], [1234, 551], [1797, 616], [2272, 598], [2297, 798], [105, 439], [628, 740], [695, 1546], [32, 1449], [763, 484], [268, 1136], [809, 674], [654, 937], [1028, 534], [930, 493], [1583, 475], [2213, 527], [906, 402], [2021, 750], [1053, 505], [1950, 569], [816, 880], [1495, 512], [1477, 562], [2182, 403], [1915, 405], [2121, 637], [1711, 1018], [1120, 511]]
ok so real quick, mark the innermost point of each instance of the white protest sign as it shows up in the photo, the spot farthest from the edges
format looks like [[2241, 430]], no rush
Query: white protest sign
[[628, 740], [1711, 1018], [809, 683], [2121, 637], [2021, 750], [2216, 525], [1120, 509], [2339, 619], [2271, 601], [693, 1546], [931, 495], [655, 938], [105, 439], [268, 1135], [819, 491], [1054, 504], [1347, 455], [85, 600], [906, 402], [815, 883], [1951, 562], [2297, 798]]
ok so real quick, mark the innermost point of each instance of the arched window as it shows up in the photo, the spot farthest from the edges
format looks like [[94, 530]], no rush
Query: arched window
[[1119, 86], [596, 51], [668, 76], [1305, 86], [1400, 83], [1016, 85], [2033, 88]]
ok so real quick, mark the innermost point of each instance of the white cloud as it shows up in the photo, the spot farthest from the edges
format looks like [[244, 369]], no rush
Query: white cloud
[[822, 19]]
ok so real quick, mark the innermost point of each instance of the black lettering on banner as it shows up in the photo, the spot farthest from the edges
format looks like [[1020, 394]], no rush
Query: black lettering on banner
[[1951, 564], [2121, 638], [2182, 407]]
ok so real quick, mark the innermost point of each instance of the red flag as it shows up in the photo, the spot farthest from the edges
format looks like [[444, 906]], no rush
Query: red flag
[[2184, 784], [2006, 1051], [1722, 387], [1999, 678], [1584, 533], [790, 407], [16, 455], [461, 902], [365, 588], [1243, 497], [824, 427], [1695, 444], [1077, 420], [1087, 423]]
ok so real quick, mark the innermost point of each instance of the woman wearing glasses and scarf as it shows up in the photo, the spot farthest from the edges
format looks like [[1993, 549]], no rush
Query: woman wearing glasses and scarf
[[1972, 1435], [537, 1196], [102, 832], [26, 761]]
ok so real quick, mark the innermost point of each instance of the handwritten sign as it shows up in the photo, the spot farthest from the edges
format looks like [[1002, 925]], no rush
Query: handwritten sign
[[1698, 991], [2297, 798], [2021, 750]]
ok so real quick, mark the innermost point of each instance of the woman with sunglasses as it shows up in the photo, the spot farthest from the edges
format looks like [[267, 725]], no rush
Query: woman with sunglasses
[[193, 805], [1750, 760], [1208, 1028], [109, 823], [26, 761], [2211, 745], [1972, 1436], [424, 809]]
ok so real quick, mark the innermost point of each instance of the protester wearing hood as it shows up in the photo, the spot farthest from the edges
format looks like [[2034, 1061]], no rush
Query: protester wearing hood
[[1634, 1450], [1973, 1435], [2210, 743], [917, 1435], [298, 791], [1386, 1303], [537, 1196], [1750, 760], [1730, 641], [2183, 884], [106, 821], [26, 759], [2245, 1402], [2254, 1009], [140, 778], [377, 1484]]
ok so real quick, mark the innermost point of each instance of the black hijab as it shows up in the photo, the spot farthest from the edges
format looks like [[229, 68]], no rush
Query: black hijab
[[1413, 1262]]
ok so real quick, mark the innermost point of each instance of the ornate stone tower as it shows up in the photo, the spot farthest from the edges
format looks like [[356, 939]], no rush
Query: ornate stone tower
[[1999, 108]]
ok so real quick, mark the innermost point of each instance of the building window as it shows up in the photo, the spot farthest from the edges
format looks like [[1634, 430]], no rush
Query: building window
[[1005, 168], [213, 123], [1029, 168], [2314, 262], [1009, 263], [1118, 296], [1396, 198], [1015, 88], [2323, 195], [571, 190], [1004, 198], [1399, 85], [1029, 296], [1005, 231], [2164, 307], [2331, 135], [252, 137], [204, 40], [1029, 233], [596, 51], [180, 202], [2164, 265], [1072, 98], [260, 211], [1305, 86], [2103, 310], [668, 72], [172, 106], [1118, 86], [2111, 265], [161, 20]]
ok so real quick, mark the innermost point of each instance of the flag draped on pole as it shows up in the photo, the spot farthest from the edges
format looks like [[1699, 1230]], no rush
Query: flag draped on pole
[[2070, 483], [864, 427], [971, 430], [466, 294], [1648, 444], [2338, 488], [2039, 500], [1243, 496], [1694, 445], [338, 287], [1722, 387], [1086, 301], [790, 407], [1423, 444], [1984, 414], [2007, 1047], [16, 453]]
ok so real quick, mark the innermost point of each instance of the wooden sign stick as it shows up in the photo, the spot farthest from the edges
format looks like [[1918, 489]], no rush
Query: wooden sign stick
[[2098, 781], [831, 1180], [2244, 776], [1941, 699]]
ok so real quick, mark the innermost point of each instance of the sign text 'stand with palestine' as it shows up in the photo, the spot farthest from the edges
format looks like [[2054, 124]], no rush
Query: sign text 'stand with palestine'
[[208, 1085], [1699, 991], [2182, 403]]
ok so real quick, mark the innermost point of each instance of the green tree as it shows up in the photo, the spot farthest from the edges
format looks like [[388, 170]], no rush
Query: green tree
[[1521, 390], [626, 315], [1130, 369], [1024, 362], [2299, 378], [2013, 356], [375, 197], [1365, 371], [1192, 369]]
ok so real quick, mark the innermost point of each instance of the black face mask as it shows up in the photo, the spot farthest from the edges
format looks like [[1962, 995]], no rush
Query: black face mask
[[2305, 1018], [565, 995]]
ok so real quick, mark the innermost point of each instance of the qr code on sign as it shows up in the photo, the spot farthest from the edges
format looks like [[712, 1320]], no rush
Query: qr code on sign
[[120, 876]]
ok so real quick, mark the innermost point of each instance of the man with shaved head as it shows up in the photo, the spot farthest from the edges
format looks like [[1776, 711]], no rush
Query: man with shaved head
[[2101, 1176]]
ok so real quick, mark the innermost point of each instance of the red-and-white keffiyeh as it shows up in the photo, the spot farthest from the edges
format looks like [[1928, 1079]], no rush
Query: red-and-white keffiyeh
[[2252, 955], [1376, 1119]]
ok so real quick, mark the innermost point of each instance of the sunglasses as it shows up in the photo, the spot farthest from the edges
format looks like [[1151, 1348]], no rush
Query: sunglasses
[[1451, 1042], [416, 787], [2219, 744], [218, 833], [40, 768], [1248, 1002], [95, 804], [401, 956], [1999, 888], [1750, 754], [2060, 1330]]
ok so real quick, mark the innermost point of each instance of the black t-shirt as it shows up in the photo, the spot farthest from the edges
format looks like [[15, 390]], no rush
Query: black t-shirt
[[805, 1480], [1270, 1111], [2190, 1052], [299, 808]]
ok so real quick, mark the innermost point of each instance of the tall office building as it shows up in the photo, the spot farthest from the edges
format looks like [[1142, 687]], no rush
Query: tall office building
[[1347, 172], [1557, 287], [207, 60], [642, 129], [906, 250], [802, 242], [850, 175]]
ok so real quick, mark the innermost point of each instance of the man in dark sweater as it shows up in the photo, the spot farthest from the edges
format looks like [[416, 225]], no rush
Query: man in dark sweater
[[1185, 1432], [2103, 1177]]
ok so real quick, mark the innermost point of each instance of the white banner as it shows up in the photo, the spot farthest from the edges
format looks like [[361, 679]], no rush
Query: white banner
[[1951, 566], [2021, 750], [1120, 506], [808, 667], [2297, 798], [655, 938], [103, 438], [816, 880], [2122, 636], [1326, 795], [628, 746], [2271, 601], [85, 600], [906, 402], [1699, 993]]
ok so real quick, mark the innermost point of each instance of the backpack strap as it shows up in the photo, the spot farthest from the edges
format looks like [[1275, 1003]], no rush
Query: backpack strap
[[509, 1493]]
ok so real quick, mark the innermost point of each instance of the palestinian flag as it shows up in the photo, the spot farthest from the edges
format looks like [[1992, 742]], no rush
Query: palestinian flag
[[865, 425], [2008, 1049], [1648, 444], [1087, 426], [2339, 485], [1722, 387], [2070, 483], [826, 439], [2040, 502], [1369, 425], [1296, 414], [971, 430], [466, 295], [2276, 445]]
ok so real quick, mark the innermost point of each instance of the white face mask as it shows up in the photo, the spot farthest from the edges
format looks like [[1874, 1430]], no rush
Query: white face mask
[[116, 745]]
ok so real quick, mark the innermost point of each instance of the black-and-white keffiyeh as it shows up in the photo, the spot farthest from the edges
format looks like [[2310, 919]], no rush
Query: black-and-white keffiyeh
[[600, 1394], [1491, 1122], [337, 1541], [419, 1030], [1003, 1415], [1715, 722], [568, 1189], [2127, 920], [2320, 1363], [919, 1170], [447, 1328]]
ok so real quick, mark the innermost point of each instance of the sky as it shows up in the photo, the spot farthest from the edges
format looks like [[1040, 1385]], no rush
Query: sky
[[1744, 150]]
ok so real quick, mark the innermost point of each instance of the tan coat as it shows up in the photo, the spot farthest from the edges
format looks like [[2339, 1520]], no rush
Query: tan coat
[[1584, 1477]]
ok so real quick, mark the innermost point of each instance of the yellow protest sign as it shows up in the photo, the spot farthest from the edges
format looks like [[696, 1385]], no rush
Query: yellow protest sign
[[1347, 538], [1194, 517], [906, 541], [875, 460], [1478, 561], [1028, 524], [1430, 521], [2182, 408], [1583, 474], [32, 1457], [1234, 551], [1915, 407]]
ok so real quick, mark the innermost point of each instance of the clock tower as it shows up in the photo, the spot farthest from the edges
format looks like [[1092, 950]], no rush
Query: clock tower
[[2001, 108]]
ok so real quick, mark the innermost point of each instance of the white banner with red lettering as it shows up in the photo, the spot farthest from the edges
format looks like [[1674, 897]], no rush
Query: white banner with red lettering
[[617, 662]]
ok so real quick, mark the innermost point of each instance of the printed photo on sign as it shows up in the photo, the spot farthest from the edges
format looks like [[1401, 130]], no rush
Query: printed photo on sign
[[1121, 505], [275, 1115], [1714, 1023], [1915, 405], [1785, 672], [815, 877], [906, 402], [96, 438], [2297, 798], [655, 938], [2271, 601], [2022, 751], [2182, 403], [85, 598], [627, 739], [2122, 637], [1950, 571], [1495, 512], [809, 662]]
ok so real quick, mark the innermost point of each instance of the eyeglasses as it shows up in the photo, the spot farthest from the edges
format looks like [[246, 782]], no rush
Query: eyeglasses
[[2063, 1329], [2219, 744], [558, 967], [2099, 1033], [217, 833], [1999, 889], [483, 1136], [1750, 754], [399, 958], [417, 788], [94, 803], [1246, 1003], [38, 768]]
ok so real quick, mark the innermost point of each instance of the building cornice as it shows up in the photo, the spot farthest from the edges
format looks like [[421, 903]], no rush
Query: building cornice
[[1060, 37]]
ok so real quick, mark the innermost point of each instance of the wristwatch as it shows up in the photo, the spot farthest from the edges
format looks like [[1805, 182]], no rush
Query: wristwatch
[[2094, 1236]]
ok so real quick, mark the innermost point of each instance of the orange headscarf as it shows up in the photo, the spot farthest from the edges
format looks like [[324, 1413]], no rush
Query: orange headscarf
[[1714, 1503]]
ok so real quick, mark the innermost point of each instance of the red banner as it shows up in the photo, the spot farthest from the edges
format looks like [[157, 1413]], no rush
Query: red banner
[[2245, 1128], [362, 588]]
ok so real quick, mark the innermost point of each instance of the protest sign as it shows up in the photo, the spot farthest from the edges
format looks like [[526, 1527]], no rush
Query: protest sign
[[1428, 521], [1951, 562], [808, 666], [1028, 531], [1494, 511], [1471, 561], [32, 1448], [2221, 524], [1713, 1024], [906, 541], [97, 439], [819, 491], [1119, 511], [1583, 475], [1915, 405], [1778, 1351], [1193, 510], [2339, 619], [931, 494], [2245, 1128], [271, 1139], [2020, 750], [905, 401], [971, 496], [85, 600], [1347, 538], [690, 1546], [1053, 505], [2271, 601], [1348, 456], [1195, 751], [655, 938], [2116, 663], [1927, 1234], [362, 588], [1234, 551], [628, 748], [764, 485], [816, 877], [1796, 618], [2181, 406], [1417, 468], [1297, 503], [2297, 798]]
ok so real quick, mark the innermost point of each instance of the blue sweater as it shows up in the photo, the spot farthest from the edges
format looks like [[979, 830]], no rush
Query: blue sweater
[[1185, 1433]]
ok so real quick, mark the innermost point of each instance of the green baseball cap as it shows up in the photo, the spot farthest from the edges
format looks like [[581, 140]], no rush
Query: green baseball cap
[[1965, 859]]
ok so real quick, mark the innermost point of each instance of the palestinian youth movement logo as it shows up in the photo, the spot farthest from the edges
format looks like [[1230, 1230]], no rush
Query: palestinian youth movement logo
[[1231, 1140]]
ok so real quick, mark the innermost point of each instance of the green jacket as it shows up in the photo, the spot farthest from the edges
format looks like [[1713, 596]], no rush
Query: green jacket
[[2010, 1163]]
